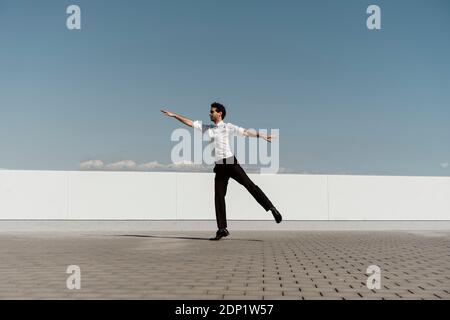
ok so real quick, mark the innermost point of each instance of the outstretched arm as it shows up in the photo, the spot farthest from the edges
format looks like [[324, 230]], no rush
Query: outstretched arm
[[254, 133], [182, 119]]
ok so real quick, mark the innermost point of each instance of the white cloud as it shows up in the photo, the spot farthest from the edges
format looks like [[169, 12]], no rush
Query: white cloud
[[150, 166], [182, 166], [182, 163], [445, 165], [91, 165], [122, 165], [130, 165], [188, 166]]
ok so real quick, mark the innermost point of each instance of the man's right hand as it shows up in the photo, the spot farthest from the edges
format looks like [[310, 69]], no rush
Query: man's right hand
[[168, 113], [182, 119]]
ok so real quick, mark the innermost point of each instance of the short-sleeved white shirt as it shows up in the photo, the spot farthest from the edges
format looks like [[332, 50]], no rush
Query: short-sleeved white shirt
[[220, 134]]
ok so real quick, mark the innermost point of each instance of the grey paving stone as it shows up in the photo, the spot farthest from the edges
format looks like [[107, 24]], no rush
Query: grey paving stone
[[282, 265]]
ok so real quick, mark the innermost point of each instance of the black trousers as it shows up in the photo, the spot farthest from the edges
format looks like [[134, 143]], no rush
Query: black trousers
[[230, 168]]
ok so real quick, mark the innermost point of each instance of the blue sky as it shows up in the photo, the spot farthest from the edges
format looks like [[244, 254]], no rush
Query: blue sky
[[346, 99]]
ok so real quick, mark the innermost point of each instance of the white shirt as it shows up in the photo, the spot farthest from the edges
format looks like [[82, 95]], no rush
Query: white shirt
[[220, 134]]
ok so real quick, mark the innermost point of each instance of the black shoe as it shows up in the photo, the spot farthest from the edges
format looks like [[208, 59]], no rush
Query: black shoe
[[220, 234], [276, 214]]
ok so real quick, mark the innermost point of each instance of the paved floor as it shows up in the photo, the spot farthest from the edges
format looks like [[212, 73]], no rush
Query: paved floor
[[248, 265]]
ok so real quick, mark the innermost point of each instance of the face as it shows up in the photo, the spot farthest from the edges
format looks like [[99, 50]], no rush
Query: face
[[214, 115]]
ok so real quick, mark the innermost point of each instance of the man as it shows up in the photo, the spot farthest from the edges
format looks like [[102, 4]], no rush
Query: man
[[226, 164]]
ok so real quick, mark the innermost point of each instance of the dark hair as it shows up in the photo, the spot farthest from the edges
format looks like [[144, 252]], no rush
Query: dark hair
[[219, 108]]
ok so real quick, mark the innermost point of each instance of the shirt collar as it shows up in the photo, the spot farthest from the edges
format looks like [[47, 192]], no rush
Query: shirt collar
[[221, 123]]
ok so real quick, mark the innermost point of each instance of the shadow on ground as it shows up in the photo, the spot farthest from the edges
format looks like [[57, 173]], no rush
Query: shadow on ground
[[171, 237]]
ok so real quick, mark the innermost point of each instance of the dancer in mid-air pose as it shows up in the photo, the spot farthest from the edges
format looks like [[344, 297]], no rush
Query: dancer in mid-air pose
[[226, 164]]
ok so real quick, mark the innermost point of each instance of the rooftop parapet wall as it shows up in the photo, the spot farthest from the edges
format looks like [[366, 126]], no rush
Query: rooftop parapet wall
[[89, 195]]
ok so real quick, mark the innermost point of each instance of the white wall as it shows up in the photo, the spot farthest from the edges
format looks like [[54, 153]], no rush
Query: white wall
[[389, 198], [76, 195]]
